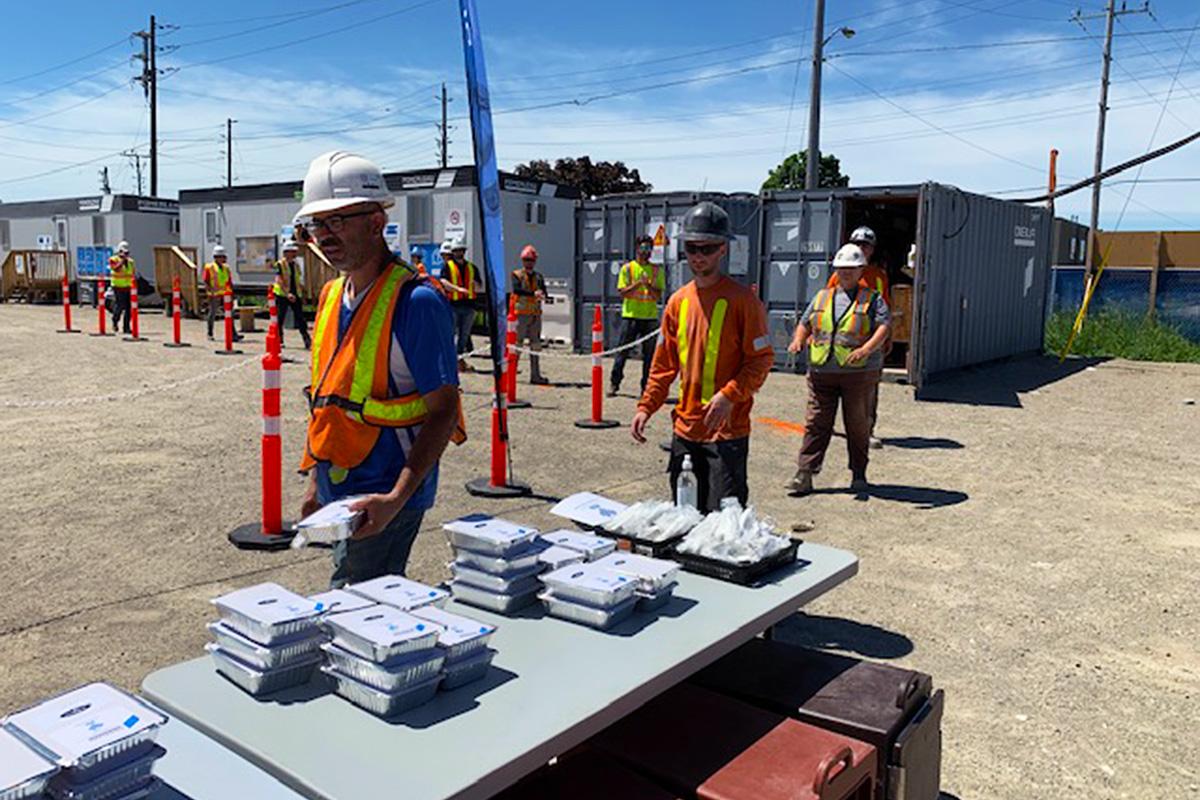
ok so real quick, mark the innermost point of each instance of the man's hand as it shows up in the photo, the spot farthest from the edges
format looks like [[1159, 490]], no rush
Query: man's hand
[[291, 297], [637, 429], [860, 354], [796, 345], [309, 504], [380, 509], [717, 412]]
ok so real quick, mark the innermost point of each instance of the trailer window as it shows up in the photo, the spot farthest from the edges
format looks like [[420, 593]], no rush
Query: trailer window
[[211, 232], [420, 216], [5, 236], [98, 229]]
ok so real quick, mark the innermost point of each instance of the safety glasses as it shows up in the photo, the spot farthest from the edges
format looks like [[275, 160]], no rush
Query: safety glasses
[[334, 223], [697, 249]]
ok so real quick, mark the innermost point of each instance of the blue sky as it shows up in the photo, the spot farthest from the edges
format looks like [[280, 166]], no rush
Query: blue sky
[[697, 94]]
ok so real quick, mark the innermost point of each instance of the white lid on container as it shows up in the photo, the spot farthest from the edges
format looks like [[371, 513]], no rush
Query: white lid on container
[[654, 569], [456, 628], [85, 720], [402, 593], [333, 514], [268, 603], [19, 764], [557, 557], [382, 625], [493, 529], [591, 577], [576, 540], [337, 601]]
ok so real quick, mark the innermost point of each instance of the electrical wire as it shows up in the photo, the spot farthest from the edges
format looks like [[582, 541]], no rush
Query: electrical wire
[[56, 67]]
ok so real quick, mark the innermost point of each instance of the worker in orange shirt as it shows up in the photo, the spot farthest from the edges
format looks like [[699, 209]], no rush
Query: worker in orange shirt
[[874, 276], [714, 338]]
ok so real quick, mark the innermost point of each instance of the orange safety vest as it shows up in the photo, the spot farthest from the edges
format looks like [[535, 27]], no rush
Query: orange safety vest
[[348, 398], [455, 276], [218, 279], [526, 304]]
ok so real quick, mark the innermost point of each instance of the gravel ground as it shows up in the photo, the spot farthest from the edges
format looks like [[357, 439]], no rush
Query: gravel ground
[[1030, 541]]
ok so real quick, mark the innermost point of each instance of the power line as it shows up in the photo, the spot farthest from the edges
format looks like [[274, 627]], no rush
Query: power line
[[298, 15], [56, 67]]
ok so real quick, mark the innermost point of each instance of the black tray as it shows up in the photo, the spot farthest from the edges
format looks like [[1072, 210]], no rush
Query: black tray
[[632, 544], [744, 574]]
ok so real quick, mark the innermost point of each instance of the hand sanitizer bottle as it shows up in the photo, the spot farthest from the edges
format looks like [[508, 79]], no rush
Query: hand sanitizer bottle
[[687, 492]]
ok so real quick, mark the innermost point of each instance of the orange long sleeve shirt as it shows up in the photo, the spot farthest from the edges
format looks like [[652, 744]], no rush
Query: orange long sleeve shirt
[[744, 357]]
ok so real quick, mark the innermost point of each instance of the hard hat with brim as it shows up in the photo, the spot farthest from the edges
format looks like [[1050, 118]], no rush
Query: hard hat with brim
[[705, 222], [338, 180], [290, 244], [849, 256]]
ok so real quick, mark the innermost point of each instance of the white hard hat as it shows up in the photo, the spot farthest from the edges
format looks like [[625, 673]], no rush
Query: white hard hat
[[218, 251], [458, 243], [863, 235], [123, 247], [338, 179], [289, 244], [446, 246], [850, 255]]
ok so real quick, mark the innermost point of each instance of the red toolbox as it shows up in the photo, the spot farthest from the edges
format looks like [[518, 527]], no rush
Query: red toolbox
[[896, 710], [702, 744], [586, 775]]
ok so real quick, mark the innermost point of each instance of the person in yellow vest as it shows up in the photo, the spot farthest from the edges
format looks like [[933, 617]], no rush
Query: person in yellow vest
[[384, 400], [845, 329], [123, 272], [529, 292], [462, 282], [641, 285], [218, 281], [289, 292]]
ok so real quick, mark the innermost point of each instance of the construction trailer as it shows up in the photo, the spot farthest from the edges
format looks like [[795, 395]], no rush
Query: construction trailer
[[431, 205], [607, 229], [87, 230]]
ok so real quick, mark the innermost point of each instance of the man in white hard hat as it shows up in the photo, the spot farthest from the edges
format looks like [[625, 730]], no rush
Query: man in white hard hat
[[845, 329], [289, 292], [218, 282], [463, 285], [123, 272], [384, 397]]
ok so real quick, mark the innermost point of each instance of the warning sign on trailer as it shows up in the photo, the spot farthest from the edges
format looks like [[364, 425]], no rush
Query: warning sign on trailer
[[456, 224], [660, 236]]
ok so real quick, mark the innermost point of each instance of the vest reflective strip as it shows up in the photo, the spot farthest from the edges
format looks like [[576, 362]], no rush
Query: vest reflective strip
[[712, 347], [364, 367], [333, 298], [393, 410]]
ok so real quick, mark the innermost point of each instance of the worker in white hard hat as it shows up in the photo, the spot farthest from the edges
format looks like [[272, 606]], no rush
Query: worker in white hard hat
[[123, 272], [384, 400], [845, 329], [289, 292], [218, 282], [464, 289]]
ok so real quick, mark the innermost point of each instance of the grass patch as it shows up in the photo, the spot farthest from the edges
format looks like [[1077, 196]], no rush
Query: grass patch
[[1120, 334]]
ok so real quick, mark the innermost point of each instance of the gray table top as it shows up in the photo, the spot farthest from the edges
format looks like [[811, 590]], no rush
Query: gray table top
[[553, 684]]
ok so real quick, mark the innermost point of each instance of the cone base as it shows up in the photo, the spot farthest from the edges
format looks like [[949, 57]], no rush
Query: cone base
[[228, 352], [134, 339], [101, 334], [592, 424], [482, 487], [67, 330], [251, 537], [176, 344], [518, 404]]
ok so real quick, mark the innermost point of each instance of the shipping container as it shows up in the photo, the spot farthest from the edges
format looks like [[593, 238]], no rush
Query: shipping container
[[979, 277], [606, 229]]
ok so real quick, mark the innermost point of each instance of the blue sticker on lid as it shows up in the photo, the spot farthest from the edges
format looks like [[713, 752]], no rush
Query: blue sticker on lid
[[420, 627], [133, 720]]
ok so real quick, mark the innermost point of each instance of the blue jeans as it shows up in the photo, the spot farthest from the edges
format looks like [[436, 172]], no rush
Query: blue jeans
[[357, 560], [464, 320]]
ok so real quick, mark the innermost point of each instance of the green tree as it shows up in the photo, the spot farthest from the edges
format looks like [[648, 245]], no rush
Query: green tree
[[790, 174], [593, 179]]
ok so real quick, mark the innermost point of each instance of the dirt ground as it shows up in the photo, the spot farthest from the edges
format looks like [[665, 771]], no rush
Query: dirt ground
[[1031, 540]]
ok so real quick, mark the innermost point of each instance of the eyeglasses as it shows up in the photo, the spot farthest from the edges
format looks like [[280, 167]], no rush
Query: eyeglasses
[[334, 223], [695, 249], [528, 260]]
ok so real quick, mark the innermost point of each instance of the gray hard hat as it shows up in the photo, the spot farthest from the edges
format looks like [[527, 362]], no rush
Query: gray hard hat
[[705, 222]]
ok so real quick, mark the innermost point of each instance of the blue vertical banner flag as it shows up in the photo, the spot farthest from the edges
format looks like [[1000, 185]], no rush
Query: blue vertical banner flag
[[487, 177]]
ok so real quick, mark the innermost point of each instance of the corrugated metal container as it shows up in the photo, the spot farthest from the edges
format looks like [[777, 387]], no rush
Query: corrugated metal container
[[605, 231], [981, 266]]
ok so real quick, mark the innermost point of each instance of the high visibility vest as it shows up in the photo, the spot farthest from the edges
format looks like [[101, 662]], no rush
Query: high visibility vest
[[348, 398], [851, 333], [526, 304], [460, 275], [712, 349], [217, 279], [880, 282], [284, 272], [122, 272], [642, 304]]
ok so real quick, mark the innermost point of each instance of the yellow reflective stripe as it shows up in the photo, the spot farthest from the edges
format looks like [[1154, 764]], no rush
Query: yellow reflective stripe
[[364, 366], [681, 338], [333, 299], [712, 348], [395, 411]]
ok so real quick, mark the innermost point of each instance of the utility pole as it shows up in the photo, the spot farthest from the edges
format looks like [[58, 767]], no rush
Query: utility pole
[[105, 187], [137, 166], [443, 141], [149, 81], [229, 151], [1110, 14], [813, 161]]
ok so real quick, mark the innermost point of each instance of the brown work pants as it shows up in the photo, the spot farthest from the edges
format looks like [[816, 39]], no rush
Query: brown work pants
[[855, 391]]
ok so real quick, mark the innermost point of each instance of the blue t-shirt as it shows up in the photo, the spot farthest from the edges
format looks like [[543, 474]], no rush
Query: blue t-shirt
[[422, 359]]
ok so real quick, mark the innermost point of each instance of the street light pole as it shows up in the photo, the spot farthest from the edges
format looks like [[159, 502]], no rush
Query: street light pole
[[813, 160]]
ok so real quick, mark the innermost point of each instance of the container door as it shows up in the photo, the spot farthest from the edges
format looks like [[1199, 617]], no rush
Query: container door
[[922, 267]]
